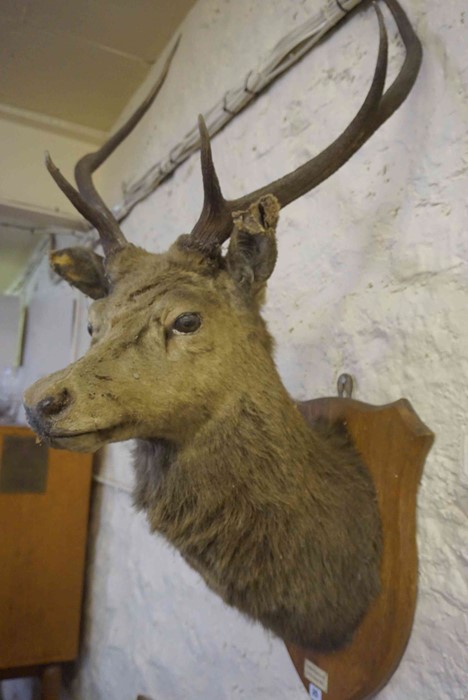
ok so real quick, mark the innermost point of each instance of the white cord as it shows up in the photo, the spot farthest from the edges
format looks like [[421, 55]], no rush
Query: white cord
[[113, 484], [287, 51]]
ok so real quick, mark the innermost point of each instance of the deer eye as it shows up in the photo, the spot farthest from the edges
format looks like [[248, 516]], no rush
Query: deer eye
[[90, 328], [186, 323]]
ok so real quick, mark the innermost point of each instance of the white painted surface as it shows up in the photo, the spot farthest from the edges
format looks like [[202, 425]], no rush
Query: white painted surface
[[371, 279], [24, 180], [9, 330], [28, 195]]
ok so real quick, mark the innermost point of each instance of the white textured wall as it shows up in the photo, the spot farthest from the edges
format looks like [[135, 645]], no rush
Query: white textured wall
[[371, 279]]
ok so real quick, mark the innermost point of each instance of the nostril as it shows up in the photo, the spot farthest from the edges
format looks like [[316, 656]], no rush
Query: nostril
[[52, 405]]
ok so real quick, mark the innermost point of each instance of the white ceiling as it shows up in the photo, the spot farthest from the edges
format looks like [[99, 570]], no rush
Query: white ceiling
[[78, 61], [81, 60]]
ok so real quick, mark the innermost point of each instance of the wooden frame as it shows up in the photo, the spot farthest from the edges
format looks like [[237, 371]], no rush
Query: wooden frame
[[394, 444]]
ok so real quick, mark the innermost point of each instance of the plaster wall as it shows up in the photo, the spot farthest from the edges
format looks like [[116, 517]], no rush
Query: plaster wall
[[371, 279]]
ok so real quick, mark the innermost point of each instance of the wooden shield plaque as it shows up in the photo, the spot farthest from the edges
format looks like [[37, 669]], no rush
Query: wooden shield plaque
[[393, 443]]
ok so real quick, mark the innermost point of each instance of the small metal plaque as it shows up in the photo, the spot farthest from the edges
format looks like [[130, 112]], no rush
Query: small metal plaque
[[23, 466], [314, 692]]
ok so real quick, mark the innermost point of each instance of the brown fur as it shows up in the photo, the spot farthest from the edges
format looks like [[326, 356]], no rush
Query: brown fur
[[288, 535], [279, 519]]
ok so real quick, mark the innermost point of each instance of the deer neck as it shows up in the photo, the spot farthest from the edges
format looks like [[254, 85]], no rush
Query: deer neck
[[258, 501], [256, 436], [257, 430]]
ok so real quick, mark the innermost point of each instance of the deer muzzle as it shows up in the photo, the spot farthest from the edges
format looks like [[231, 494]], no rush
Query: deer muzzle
[[46, 402], [54, 414], [68, 410]]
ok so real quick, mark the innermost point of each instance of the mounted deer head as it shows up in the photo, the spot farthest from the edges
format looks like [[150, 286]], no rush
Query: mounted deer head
[[280, 519]]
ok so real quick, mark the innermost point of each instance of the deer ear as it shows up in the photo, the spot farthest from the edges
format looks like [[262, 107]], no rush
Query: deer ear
[[83, 269], [252, 251]]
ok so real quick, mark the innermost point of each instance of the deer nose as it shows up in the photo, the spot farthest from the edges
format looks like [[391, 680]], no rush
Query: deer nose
[[53, 405]]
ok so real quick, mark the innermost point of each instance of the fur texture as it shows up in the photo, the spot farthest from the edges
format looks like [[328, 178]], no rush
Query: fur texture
[[280, 520], [284, 529]]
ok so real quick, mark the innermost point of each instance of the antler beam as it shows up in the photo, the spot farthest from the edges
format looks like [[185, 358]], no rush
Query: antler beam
[[86, 199], [215, 223]]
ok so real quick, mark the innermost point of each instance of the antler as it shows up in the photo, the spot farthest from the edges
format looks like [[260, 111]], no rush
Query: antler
[[215, 223], [86, 199]]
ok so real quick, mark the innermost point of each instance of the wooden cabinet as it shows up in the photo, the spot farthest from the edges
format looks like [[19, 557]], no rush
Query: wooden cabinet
[[44, 502]]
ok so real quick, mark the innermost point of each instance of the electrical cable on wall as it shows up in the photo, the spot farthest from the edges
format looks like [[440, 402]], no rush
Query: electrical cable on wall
[[290, 49]]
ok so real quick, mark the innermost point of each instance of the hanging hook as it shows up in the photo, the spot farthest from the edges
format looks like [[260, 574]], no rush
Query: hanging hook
[[345, 386]]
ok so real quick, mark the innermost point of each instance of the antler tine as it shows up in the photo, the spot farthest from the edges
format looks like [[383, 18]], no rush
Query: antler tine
[[399, 90], [215, 222], [86, 199], [107, 227], [90, 162]]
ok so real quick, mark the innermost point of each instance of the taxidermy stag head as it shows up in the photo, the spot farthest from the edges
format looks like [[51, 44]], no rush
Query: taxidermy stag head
[[279, 518]]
